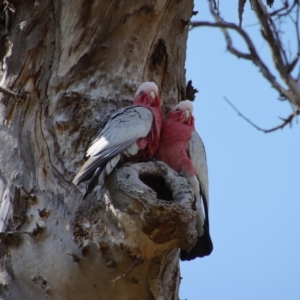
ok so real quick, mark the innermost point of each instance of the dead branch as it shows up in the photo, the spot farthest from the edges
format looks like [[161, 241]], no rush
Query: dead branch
[[12, 94], [252, 55], [285, 122], [271, 35], [286, 8]]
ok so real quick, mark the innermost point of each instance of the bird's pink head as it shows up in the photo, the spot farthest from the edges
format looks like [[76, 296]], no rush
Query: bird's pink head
[[147, 94], [183, 112]]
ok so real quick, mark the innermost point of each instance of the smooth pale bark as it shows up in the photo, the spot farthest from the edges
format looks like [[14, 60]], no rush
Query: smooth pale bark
[[78, 62]]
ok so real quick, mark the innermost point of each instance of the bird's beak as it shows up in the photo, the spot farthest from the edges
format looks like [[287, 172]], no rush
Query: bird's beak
[[187, 115], [152, 94]]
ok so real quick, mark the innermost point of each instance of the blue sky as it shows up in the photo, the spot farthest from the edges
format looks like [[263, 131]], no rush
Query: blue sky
[[254, 177]]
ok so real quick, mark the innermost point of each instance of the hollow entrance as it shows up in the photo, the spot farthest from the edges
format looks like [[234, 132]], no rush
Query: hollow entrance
[[157, 184]]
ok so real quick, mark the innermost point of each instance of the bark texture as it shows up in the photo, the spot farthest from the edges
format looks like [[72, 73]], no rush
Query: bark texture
[[78, 62]]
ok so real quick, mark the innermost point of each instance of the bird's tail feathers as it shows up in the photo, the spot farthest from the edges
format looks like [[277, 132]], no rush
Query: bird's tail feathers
[[98, 177], [203, 247]]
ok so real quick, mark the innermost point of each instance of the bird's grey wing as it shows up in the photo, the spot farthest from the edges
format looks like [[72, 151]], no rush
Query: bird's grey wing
[[99, 161], [128, 124], [198, 157], [122, 130], [204, 245]]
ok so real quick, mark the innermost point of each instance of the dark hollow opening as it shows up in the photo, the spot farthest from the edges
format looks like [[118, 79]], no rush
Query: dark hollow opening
[[158, 184]]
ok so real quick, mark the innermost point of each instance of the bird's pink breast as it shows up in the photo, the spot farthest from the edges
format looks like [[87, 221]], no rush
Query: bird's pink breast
[[149, 144], [173, 147]]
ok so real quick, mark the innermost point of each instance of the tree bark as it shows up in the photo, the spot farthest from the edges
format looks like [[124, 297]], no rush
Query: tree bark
[[77, 62]]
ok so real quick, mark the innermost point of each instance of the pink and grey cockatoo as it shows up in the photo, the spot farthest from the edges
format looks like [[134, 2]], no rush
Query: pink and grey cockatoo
[[133, 131], [182, 149]]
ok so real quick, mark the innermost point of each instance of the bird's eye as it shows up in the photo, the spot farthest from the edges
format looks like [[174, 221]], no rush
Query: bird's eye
[[142, 92], [177, 109]]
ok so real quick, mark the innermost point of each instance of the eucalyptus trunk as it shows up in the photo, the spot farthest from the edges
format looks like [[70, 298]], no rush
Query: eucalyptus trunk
[[71, 64]]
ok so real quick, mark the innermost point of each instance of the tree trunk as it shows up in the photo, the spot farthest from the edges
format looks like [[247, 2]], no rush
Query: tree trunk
[[77, 62]]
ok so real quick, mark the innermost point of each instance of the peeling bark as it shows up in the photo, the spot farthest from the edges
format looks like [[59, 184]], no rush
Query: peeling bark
[[77, 63]]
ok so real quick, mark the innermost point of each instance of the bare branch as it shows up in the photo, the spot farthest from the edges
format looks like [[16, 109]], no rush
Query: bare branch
[[296, 23], [285, 122], [270, 32], [241, 11], [253, 55], [272, 36], [278, 14], [14, 95], [293, 64], [277, 11]]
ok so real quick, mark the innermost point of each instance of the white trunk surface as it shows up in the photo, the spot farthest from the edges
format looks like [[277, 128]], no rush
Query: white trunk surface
[[78, 62]]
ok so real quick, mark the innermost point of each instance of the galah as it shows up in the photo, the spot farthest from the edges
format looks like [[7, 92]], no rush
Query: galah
[[133, 131], [182, 149]]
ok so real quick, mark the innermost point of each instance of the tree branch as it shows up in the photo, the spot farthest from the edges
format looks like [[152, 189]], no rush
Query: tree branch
[[271, 35], [253, 55], [285, 122], [12, 94], [277, 13]]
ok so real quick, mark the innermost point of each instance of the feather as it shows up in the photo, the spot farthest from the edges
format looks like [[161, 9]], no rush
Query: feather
[[121, 131], [181, 148], [132, 131]]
